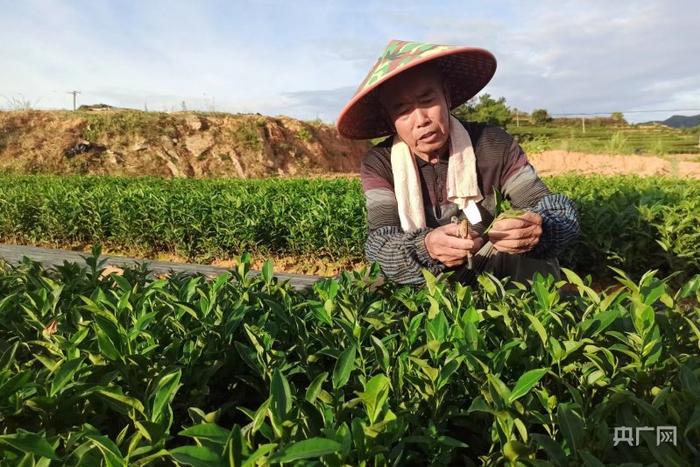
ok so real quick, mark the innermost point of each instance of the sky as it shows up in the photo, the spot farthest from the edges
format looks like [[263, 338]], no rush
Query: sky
[[305, 59]]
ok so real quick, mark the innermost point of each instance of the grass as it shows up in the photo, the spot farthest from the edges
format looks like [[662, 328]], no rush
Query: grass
[[101, 126], [304, 134], [246, 134]]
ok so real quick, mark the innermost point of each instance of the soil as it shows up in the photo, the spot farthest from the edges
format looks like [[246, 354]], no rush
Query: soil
[[561, 162], [113, 141], [178, 144]]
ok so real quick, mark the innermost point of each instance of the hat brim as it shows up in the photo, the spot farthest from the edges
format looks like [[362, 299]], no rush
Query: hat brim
[[466, 71]]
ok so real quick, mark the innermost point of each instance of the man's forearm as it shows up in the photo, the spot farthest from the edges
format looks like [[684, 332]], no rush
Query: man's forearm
[[401, 255]]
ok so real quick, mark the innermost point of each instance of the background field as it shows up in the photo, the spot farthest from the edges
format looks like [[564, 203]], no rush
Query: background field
[[634, 223], [602, 138]]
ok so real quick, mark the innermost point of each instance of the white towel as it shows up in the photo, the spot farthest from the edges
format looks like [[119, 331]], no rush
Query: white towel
[[462, 185]]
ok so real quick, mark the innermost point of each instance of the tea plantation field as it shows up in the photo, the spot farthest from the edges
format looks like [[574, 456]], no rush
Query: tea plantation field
[[608, 139], [108, 369], [633, 223], [119, 370]]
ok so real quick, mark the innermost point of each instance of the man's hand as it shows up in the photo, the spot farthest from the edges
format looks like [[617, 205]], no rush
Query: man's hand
[[516, 235], [444, 245]]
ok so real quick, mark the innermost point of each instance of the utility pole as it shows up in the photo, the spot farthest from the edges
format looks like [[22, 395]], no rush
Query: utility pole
[[75, 93], [583, 124], [517, 118]]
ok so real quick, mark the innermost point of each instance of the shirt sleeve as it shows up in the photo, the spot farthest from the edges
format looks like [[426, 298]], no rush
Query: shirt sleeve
[[523, 187], [401, 255]]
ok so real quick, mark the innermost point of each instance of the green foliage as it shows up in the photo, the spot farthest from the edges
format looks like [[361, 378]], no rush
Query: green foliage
[[100, 126], [569, 135], [617, 143], [633, 223], [487, 110], [103, 369], [304, 134], [536, 145], [246, 134], [659, 148], [540, 117], [618, 117], [193, 218]]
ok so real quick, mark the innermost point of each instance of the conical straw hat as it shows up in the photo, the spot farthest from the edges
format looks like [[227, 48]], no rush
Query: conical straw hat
[[466, 70]]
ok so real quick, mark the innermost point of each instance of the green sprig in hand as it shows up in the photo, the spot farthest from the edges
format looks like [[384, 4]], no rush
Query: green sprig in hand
[[513, 231], [504, 210]]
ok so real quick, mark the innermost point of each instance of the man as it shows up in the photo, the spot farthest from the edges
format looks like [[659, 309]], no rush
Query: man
[[436, 167]]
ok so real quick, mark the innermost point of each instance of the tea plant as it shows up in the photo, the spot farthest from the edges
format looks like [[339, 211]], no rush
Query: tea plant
[[636, 224], [100, 369]]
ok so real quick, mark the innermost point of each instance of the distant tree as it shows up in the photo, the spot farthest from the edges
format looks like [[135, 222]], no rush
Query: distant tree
[[487, 110], [466, 110], [618, 117], [540, 117]]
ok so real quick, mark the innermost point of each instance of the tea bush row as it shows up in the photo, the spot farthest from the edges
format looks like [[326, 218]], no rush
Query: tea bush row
[[634, 223], [100, 369]]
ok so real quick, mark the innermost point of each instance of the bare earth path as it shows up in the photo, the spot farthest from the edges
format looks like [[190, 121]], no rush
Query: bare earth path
[[561, 162], [50, 257]]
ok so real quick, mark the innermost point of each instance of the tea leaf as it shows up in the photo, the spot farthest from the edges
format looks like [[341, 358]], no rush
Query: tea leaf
[[110, 452], [267, 271], [306, 449], [315, 387], [537, 326], [280, 395], [126, 402], [26, 441], [208, 431], [551, 447], [374, 396], [571, 426], [197, 456], [164, 393], [64, 375], [343, 367], [382, 355], [526, 382]]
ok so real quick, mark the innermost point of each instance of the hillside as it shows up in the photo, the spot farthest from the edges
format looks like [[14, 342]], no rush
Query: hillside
[[179, 144], [677, 121], [682, 121]]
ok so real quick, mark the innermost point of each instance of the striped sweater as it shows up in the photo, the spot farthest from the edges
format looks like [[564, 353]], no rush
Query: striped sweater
[[501, 165]]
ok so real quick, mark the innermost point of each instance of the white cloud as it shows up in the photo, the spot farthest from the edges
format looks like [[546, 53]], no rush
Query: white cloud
[[305, 59]]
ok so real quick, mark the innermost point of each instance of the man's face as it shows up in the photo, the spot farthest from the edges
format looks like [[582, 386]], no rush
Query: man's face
[[415, 102]]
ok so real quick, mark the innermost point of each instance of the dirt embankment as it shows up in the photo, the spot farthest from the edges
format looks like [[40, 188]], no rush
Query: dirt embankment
[[180, 144], [196, 144], [561, 162]]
